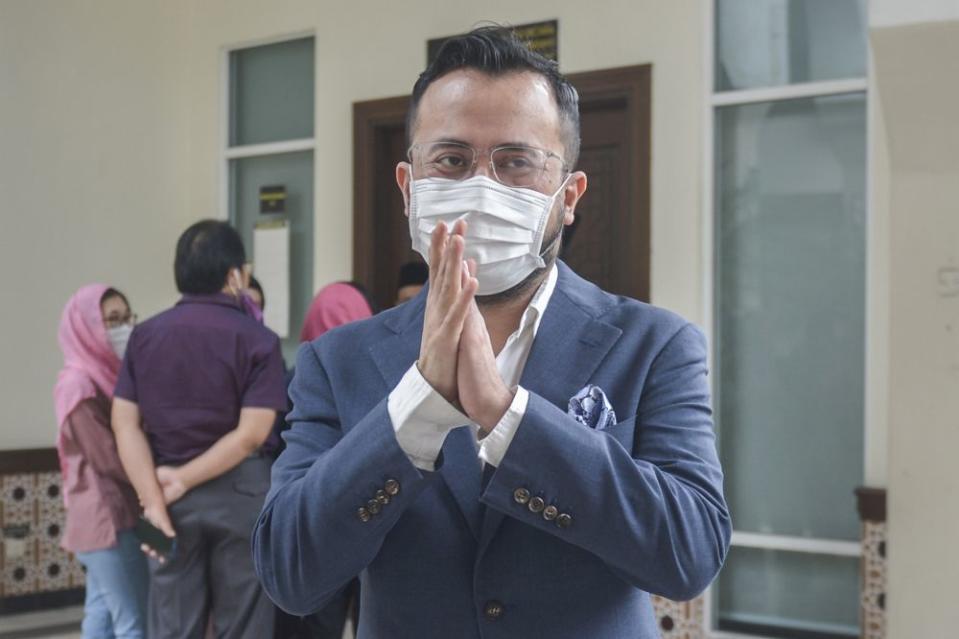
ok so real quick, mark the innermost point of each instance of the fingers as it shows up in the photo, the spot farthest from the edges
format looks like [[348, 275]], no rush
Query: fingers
[[446, 256], [437, 243], [454, 259], [167, 528], [452, 269], [149, 552], [463, 302]]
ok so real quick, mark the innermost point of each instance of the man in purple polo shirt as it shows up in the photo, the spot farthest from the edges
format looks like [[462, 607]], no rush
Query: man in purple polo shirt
[[194, 406]]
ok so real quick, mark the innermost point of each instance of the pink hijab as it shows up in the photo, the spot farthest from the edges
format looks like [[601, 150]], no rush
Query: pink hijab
[[333, 306], [89, 363]]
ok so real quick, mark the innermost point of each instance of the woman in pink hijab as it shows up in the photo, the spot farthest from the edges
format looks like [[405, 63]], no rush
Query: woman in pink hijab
[[101, 505], [335, 305]]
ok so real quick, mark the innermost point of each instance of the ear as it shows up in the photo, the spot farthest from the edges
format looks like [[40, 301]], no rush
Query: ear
[[574, 189], [404, 174]]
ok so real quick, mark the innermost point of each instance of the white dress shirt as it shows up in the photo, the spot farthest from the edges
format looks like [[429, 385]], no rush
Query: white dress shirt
[[422, 418]]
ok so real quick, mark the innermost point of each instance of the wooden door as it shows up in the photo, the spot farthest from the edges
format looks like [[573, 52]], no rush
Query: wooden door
[[609, 242]]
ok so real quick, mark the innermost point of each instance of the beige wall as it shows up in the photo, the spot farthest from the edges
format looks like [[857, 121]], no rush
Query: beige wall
[[115, 111], [93, 127], [369, 50], [915, 69], [877, 296], [888, 13]]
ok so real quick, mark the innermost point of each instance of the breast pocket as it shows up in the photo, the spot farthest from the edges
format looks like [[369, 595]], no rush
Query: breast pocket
[[624, 432]]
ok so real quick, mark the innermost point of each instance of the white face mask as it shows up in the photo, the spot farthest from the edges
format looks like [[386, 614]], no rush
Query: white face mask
[[119, 336], [505, 225]]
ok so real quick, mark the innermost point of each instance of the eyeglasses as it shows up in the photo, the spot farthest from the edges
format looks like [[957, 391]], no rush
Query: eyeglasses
[[116, 321], [519, 166]]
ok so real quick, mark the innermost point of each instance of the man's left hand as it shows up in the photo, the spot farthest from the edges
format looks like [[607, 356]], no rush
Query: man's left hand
[[482, 392], [171, 483]]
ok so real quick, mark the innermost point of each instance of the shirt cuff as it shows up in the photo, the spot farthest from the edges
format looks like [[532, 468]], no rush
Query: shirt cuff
[[421, 418], [493, 448]]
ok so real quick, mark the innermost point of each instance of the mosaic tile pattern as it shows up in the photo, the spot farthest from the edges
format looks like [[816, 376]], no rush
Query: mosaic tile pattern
[[33, 502], [680, 620], [873, 587]]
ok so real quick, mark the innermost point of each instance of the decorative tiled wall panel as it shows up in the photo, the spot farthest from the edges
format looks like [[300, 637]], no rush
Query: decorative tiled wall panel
[[680, 620], [31, 518], [872, 592], [873, 596]]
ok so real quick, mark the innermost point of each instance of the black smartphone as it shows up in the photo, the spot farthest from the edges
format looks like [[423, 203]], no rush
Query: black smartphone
[[155, 538]]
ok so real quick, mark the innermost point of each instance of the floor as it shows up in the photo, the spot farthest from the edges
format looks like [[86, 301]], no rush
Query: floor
[[63, 623]]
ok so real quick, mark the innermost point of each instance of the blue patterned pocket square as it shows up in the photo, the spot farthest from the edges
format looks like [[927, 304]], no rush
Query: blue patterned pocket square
[[591, 408]]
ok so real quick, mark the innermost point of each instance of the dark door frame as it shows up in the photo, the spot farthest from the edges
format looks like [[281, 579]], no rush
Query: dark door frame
[[370, 120], [630, 85]]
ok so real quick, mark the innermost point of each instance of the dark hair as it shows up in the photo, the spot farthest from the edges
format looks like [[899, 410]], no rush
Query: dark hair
[[497, 50], [256, 286], [205, 255], [112, 292], [413, 274]]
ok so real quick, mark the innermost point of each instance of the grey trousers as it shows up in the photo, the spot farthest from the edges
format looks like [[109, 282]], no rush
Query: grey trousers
[[211, 572]]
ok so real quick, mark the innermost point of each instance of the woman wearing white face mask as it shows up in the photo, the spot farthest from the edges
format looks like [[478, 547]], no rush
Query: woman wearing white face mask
[[101, 505]]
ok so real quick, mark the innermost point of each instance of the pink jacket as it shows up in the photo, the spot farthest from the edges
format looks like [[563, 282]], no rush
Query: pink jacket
[[100, 499]]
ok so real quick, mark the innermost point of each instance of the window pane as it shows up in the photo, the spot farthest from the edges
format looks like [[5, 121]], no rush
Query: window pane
[[295, 172], [271, 93], [764, 43], [784, 594], [790, 295]]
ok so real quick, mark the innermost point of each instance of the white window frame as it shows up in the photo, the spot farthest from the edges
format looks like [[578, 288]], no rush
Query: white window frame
[[227, 152], [714, 100]]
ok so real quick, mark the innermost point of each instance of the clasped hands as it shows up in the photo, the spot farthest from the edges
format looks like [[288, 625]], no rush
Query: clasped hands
[[456, 354]]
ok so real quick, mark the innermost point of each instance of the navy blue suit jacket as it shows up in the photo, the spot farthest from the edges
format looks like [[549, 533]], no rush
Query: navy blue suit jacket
[[453, 556]]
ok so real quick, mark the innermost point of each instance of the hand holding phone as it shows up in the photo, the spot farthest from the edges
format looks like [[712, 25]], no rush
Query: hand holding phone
[[154, 541]]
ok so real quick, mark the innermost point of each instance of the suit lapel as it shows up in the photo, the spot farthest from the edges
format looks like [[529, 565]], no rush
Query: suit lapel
[[569, 346], [461, 472]]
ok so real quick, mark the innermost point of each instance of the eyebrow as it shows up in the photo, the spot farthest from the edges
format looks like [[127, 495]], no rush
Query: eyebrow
[[496, 146]]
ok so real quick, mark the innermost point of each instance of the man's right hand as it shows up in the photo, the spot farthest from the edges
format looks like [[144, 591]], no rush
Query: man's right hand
[[157, 515], [447, 304]]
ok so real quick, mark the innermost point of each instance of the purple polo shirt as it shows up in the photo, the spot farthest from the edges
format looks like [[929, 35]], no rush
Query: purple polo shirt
[[191, 369]]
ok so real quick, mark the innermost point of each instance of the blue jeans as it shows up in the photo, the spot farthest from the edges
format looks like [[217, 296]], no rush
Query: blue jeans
[[117, 584]]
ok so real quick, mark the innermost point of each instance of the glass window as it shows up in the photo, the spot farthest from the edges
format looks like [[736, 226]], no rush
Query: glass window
[[787, 594], [271, 93], [767, 43], [790, 288], [295, 172]]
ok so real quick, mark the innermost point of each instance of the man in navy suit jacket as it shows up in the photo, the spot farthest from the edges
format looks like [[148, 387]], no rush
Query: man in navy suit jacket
[[461, 453]]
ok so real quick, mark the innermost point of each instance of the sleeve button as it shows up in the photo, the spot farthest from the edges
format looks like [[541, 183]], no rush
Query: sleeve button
[[550, 513], [392, 487], [564, 521], [521, 495], [536, 504], [363, 514], [493, 610]]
